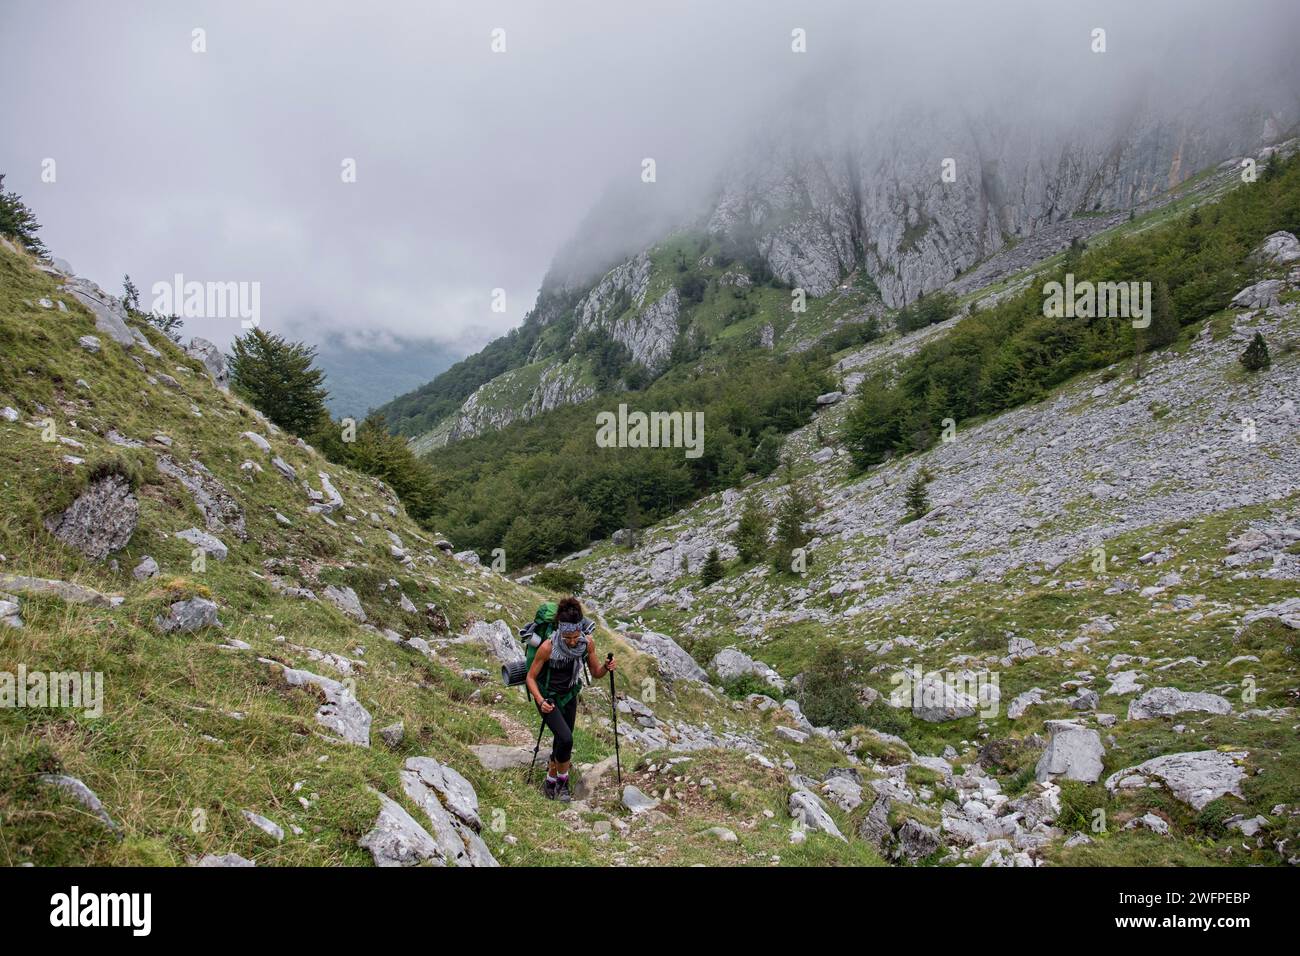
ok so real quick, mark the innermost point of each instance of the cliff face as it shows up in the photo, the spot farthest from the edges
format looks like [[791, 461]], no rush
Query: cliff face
[[817, 211]]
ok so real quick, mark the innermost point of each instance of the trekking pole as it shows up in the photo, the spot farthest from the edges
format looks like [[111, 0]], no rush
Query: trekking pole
[[613, 708], [536, 747]]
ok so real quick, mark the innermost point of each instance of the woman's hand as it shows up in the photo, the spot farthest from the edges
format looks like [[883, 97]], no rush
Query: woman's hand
[[609, 665], [546, 706]]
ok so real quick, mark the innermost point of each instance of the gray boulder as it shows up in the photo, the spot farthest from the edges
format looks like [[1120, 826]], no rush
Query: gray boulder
[[1279, 249], [213, 361], [935, 700], [101, 520], [147, 568], [731, 664], [450, 803], [185, 617], [398, 840], [1073, 752], [636, 801], [346, 600], [341, 713], [809, 813], [211, 546], [220, 510], [1195, 778], [1261, 295], [110, 317], [1167, 701], [65, 591], [674, 663], [498, 639]]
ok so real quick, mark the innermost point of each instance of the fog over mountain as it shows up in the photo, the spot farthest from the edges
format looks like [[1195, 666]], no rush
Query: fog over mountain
[[477, 169]]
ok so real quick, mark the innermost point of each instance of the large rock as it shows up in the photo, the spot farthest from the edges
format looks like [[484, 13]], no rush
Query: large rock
[[398, 840], [211, 546], [340, 713], [731, 664], [500, 757], [450, 803], [498, 639], [935, 700], [101, 520], [674, 663], [1279, 249], [1261, 295], [1196, 778], [110, 317], [213, 361], [185, 617], [1167, 701], [346, 600], [63, 590], [1073, 752], [809, 813]]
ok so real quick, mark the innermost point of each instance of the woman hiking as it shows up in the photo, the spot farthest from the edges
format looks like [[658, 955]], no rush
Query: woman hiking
[[553, 680]]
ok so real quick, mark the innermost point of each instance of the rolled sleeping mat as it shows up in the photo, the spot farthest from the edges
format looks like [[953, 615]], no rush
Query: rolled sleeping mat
[[514, 673]]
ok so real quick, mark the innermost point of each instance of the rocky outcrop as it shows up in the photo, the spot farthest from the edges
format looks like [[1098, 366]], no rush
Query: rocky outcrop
[[213, 361], [341, 713], [1073, 753], [1168, 701], [101, 520], [1195, 778], [220, 510], [674, 663]]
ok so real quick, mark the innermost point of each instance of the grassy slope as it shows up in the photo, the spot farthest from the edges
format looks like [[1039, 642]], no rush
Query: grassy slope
[[189, 726]]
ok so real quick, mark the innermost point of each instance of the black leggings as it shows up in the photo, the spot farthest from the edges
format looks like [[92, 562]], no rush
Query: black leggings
[[561, 721]]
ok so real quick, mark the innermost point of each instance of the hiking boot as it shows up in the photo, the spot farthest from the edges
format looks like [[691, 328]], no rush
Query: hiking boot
[[562, 791], [550, 788]]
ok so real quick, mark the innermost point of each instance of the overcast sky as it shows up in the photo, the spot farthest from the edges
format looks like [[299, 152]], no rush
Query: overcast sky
[[473, 167]]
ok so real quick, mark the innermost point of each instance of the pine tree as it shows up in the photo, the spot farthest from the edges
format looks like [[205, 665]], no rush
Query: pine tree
[[632, 522], [918, 501], [278, 378], [791, 533], [20, 222], [1256, 357], [750, 536], [713, 569], [1164, 326]]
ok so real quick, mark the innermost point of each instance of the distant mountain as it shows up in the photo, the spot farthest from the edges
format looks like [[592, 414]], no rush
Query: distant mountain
[[364, 375]]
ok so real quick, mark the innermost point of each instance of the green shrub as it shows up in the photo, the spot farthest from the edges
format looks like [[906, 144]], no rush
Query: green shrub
[[559, 581]]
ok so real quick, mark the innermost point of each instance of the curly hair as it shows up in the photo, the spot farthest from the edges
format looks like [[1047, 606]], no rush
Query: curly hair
[[569, 610]]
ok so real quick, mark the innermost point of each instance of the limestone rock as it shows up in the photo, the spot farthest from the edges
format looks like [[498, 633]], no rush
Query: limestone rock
[[346, 600], [211, 546], [674, 663], [185, 617], [213, 361], [101, 520], [1073, 752], [1196, 777], [83, 795], [398, 840], [341, 713], [1167, 701]]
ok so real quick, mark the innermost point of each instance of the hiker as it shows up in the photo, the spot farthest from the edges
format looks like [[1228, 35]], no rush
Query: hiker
[[553, 681]]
